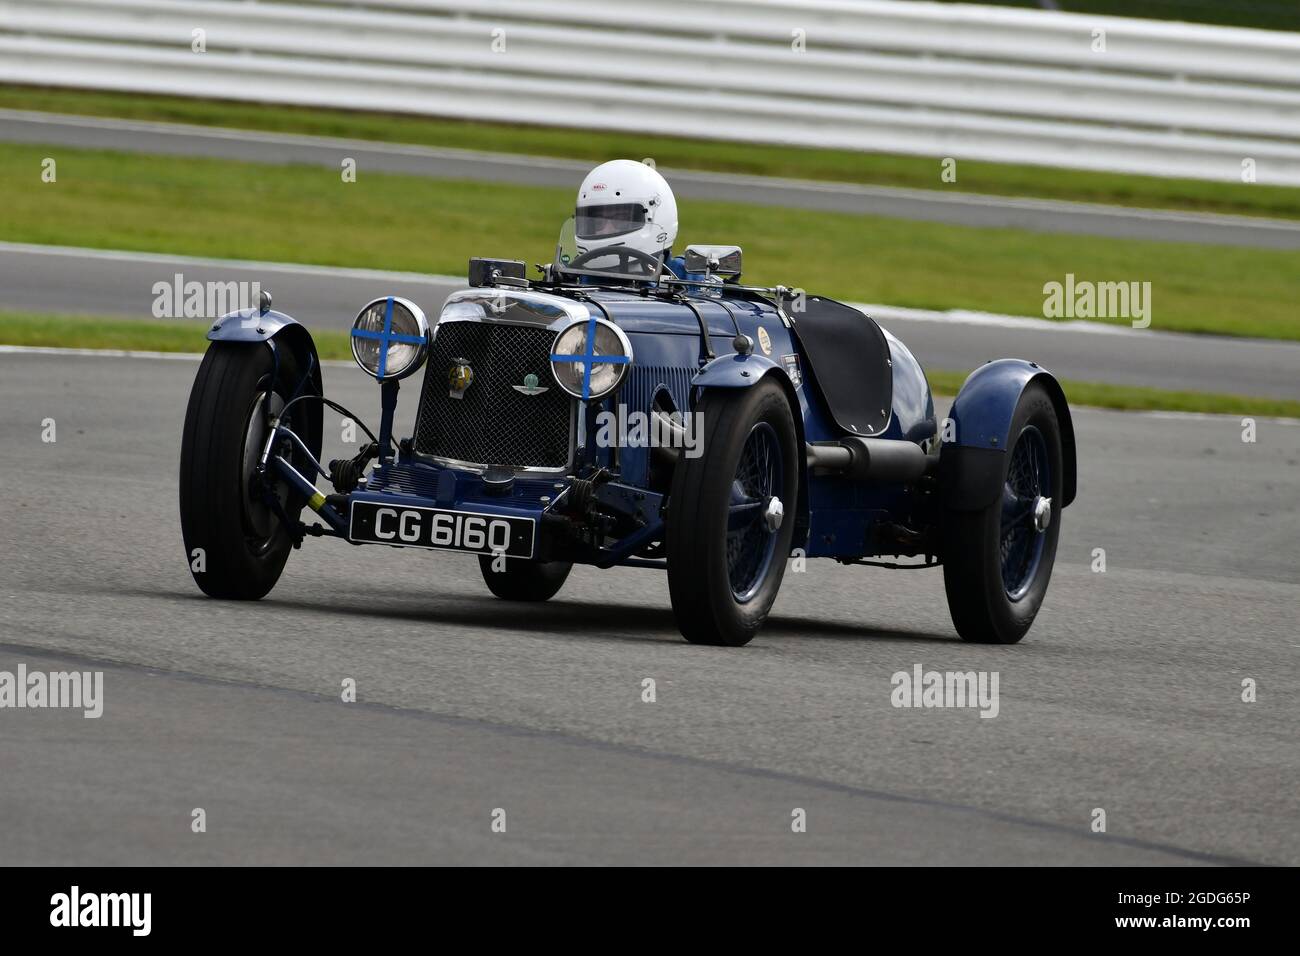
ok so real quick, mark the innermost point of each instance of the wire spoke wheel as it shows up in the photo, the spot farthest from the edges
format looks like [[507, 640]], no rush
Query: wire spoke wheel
[[732, 514], [1027, 485], [999, 549], [750, 541]]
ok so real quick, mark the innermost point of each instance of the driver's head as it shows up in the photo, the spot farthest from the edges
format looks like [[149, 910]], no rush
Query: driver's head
[[625, 203]]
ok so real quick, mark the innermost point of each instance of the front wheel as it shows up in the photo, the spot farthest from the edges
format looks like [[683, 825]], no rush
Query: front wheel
[[731, 515], [235, 539], [998, 559]]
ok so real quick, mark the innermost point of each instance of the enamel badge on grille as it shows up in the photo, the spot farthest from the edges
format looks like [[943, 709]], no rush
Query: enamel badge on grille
[[459, 379], [530, 386]]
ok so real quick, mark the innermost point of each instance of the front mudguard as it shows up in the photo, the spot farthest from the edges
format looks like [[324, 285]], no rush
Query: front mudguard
[[254, 325], [742, 371], [280, 331], [978, 429], [735, 371]]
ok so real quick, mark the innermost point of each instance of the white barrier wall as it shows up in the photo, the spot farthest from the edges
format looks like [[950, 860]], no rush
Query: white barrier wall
[[972, 82]]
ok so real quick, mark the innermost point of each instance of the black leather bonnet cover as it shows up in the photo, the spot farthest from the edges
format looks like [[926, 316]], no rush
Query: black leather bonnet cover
[[848, 359]]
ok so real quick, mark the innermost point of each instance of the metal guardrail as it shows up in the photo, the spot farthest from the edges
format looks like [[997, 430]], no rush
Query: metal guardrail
[[970, 82]]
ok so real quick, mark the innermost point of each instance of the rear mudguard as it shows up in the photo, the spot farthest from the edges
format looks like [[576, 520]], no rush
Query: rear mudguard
[[978, 429], [280, 331]]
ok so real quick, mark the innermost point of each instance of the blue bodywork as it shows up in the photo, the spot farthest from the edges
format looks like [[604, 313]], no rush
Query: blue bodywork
[[750, 338]]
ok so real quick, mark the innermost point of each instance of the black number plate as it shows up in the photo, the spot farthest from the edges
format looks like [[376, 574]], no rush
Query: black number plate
[[476, 533]]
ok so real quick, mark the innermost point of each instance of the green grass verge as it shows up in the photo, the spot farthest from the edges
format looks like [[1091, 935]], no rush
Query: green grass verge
[[147, 335], [1263, 14], [1135, 398], [757, 159], [226, 209], [130, 335]]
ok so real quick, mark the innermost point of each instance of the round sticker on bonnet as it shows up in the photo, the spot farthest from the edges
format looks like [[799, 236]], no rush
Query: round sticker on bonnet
[[764, 341]]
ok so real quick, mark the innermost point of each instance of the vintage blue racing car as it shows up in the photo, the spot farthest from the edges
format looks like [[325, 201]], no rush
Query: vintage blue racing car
[[625, 409]]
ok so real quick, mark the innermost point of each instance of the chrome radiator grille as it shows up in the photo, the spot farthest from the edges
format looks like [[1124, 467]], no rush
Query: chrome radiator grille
[[492, 423]]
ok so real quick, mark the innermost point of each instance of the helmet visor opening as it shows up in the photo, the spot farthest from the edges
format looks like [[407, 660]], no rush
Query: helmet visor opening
[[602, 222]]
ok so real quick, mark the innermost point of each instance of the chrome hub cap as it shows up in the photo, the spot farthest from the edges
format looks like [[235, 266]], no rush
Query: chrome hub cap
[[774, 513], [1042, 514]]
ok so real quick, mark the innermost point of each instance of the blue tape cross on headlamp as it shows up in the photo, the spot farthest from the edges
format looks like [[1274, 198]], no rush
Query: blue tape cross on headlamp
[[386, 338], [590, 358]]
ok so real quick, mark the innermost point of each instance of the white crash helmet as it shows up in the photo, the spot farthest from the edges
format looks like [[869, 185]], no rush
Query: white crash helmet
[[625, 203]]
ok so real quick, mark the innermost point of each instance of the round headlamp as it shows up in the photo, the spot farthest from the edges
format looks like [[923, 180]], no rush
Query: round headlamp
[[390, 338], [590, 358]]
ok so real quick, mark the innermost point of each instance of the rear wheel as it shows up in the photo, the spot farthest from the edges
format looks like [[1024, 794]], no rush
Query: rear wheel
[[235, 540], [729, 532], [998, 560], [525, 580]]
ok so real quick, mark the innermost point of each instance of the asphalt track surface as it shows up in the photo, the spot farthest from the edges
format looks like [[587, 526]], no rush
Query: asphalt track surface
[[56, 280], [958, 208], [1125, 696]]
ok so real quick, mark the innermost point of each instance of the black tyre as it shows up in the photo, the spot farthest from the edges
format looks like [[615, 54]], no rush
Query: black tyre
[[235, 543], [731, 515], [525, 580], [998, 560]]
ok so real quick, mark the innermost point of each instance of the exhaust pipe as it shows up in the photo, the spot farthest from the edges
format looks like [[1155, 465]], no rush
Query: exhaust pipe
[[871, 459], [671, 455]]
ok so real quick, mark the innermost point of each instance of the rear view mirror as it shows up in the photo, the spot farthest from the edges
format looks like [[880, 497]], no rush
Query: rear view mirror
[[713, 260]]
